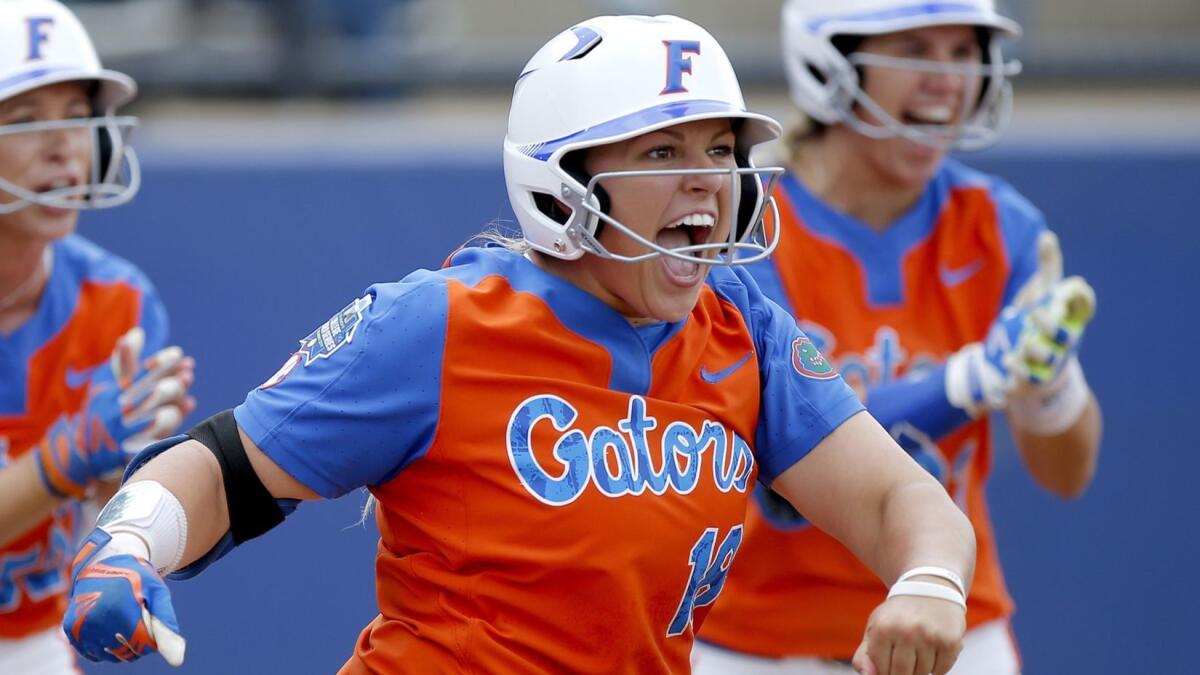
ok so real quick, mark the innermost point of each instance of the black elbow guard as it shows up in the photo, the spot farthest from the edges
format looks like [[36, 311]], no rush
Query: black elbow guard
[[252, 508]]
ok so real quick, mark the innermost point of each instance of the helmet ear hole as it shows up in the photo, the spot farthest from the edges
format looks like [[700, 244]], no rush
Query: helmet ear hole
[[104, 152], [573, 164], [551, 207]]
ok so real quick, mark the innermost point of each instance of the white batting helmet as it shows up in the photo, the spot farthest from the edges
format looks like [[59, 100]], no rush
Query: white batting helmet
[[43, 43], [609, 79], [825, 82]]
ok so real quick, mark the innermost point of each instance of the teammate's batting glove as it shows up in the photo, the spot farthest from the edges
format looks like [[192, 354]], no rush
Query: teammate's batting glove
[[978, 377], [127, 408], [119, 608], [1053, 331]]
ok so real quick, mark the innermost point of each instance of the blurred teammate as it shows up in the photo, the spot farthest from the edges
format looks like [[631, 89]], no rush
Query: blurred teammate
[[950, 305], [74, 395], [561, 432]]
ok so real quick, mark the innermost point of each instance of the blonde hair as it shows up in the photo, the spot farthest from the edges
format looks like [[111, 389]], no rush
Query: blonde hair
[[495, 234]]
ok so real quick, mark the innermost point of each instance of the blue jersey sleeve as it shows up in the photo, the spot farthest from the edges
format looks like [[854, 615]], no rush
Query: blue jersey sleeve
[[1020, 224], [359, 401], [803, 397], [153, 319]]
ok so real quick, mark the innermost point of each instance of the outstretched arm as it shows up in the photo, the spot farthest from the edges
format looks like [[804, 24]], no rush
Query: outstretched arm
[[173, 511], [861, 488], [191, 472]]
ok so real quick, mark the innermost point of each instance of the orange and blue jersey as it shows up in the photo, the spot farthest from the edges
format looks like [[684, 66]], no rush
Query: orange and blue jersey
[[91, 299], [905, 299], [558, 490]]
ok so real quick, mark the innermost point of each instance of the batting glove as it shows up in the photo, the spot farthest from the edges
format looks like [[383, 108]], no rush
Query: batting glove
[[127, 408], [119, 608], [1026, 348], [1053, 331]]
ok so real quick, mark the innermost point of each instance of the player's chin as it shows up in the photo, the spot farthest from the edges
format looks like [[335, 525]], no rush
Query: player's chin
[[673, 303]]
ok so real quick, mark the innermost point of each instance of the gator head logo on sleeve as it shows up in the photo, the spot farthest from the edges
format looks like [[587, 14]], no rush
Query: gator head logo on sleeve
[[808, 361]]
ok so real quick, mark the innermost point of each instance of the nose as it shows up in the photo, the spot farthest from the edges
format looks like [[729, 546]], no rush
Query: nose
[[66, 145], [953, 78], [705, 183]]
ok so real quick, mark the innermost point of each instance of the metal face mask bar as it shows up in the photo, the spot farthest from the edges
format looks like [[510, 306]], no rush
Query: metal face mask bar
[[115, 173], [752, 243], [994, 105]]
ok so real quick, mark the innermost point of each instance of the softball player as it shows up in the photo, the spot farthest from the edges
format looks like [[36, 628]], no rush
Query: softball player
[[951, 306], [75, 394], [560, 432]]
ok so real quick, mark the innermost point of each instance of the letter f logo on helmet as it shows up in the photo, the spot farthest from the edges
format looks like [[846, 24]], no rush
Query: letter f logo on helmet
[[678, 64], [38, 35]]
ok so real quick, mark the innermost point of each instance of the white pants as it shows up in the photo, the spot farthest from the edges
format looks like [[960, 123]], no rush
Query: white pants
[[44, 653], [987, 650]]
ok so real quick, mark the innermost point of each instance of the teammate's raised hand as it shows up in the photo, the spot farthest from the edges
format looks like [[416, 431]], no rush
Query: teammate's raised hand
[[119, 608], [1052, 332], [130, 404], [153, 398], [1027, 346]]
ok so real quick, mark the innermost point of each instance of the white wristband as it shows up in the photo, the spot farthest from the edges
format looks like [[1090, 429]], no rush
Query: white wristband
[[939, 572], [1052, 408], [927, 589], [148, 512]]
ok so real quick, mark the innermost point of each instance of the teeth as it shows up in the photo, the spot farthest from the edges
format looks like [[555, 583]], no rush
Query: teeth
[[941, 114], [61, 183], [695, 219]]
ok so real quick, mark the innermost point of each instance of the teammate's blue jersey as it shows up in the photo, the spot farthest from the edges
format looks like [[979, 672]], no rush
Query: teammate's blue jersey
[[907, 297], [558, 489], [91, 299]]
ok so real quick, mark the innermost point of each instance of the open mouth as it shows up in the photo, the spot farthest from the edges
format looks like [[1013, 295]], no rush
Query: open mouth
[[935, 115], [58, 185], [690, 230]]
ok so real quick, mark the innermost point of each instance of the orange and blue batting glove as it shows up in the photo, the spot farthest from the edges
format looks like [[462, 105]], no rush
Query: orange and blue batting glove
[[128, 405], [119, 608]]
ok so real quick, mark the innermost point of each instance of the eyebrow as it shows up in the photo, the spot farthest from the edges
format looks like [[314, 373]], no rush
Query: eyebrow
[[678, 136]]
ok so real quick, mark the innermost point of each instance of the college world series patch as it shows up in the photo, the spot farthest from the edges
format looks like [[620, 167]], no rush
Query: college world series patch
[[324, 341]]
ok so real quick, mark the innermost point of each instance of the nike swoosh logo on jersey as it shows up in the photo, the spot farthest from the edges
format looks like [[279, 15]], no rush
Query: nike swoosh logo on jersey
[[953, 276], [713, 378], [77, 379]]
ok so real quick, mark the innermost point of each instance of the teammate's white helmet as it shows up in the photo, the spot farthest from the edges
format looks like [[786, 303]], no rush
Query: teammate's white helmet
[[609, 79], [825, 82], [43, 43]]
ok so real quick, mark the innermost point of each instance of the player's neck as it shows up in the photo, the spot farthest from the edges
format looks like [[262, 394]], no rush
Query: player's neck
[[24, 272], [844, 178]]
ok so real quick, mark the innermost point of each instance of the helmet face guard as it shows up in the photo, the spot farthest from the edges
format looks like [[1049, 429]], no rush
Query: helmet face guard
[[608, 80], [825, 83], [41, 44], [114, 171], [743, 245], [991, 107]]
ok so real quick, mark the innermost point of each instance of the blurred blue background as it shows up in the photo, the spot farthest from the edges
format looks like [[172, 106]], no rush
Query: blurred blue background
[[293, 156]]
